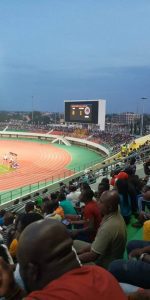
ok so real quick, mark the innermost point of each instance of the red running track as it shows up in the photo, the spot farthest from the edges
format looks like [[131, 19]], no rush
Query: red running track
[[37, 162]]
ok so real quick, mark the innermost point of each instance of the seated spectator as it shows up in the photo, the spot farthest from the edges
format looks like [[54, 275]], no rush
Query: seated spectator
[[136, 270], [49, 210], [124, 199], [66, 205], [73, 195], [54, 271], [4, 253], [143, 216], [63, 188], [144, 199], [22, 222], [38, 200], [110, 239], [102, 187], [147, 167], [58, 209], [91, 217], [8, 228], [84, 186], [2, 213], [29, 207], [105, 182]]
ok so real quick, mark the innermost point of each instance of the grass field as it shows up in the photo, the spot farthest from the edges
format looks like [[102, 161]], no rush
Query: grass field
[[5, 169]]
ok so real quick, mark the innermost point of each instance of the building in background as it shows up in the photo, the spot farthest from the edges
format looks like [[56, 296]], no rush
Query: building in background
[[128, 118]]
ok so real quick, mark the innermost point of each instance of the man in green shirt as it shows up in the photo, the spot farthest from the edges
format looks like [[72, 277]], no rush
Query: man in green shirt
[[111, 237]]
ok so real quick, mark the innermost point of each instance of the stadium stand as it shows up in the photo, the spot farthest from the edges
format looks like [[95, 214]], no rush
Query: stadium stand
[[94, 229]]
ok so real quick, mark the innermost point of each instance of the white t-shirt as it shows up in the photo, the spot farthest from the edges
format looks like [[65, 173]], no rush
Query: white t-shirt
[[74, 197]]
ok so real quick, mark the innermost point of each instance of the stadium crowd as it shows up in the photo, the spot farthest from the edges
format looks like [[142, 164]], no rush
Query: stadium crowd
[[107, 138], [71, 244]]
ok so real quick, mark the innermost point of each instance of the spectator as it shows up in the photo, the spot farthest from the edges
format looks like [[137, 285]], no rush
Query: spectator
[[73, 195], [54, 271], [22, 222], [102, 187], [4, 253], [110, 239], [136, 270], [2, 213], [8, 228], [124, 199], [49, 211], [105, 182], [66, 205], [91, 217], [58, 209], [29, 207], [147, 167], [38, 199]]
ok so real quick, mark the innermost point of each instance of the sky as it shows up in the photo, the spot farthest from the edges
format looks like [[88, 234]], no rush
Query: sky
[[56, 50]]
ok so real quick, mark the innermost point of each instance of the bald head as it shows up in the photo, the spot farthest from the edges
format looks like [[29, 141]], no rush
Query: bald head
[[45, 248], [146, 195], [109, 202], [43, 235]]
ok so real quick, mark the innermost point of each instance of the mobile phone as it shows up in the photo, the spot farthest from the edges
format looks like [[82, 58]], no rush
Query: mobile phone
[[65, 222]]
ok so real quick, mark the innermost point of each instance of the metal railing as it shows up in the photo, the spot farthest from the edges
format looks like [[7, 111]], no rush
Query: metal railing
[[99, 167], [47, 182]]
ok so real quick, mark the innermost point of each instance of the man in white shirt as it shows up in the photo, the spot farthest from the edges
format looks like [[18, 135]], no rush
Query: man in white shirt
[[73, 195]]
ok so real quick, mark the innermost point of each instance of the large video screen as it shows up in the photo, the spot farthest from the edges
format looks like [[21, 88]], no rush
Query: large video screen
[[81, 112]]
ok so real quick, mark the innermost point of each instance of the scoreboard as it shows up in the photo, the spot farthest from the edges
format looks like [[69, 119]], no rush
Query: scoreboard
[[85, 111], [81, 112]]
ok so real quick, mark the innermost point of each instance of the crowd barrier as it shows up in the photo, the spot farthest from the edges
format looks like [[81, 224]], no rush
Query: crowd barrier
[[52, 184]]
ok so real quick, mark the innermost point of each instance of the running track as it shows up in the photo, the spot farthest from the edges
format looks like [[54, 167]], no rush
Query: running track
[[37, 162]]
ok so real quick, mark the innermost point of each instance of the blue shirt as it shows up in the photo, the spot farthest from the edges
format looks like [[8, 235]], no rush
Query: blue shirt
[[125, 205]]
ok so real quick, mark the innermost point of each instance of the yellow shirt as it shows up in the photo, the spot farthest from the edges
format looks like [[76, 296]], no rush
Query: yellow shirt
[[13, 248]]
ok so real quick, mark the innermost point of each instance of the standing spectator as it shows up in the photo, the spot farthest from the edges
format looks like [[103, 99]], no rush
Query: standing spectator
[[124, 199]]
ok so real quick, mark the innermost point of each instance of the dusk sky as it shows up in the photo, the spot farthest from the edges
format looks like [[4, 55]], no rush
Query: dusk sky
[[52, 50]]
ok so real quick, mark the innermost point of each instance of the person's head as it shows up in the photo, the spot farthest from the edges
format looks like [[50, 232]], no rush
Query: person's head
[[108, 202], [45, 256], [54, 196], [132, 160], [2, 213], [147, 196], [105, 183], [86, 196], [61, 197], [8, 218], [24, 220], [84, 186], [105, 180], [48, 207], [29, 207], [122, 186], [102, 188], [4, 254], [128, 170], [72, 188]]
